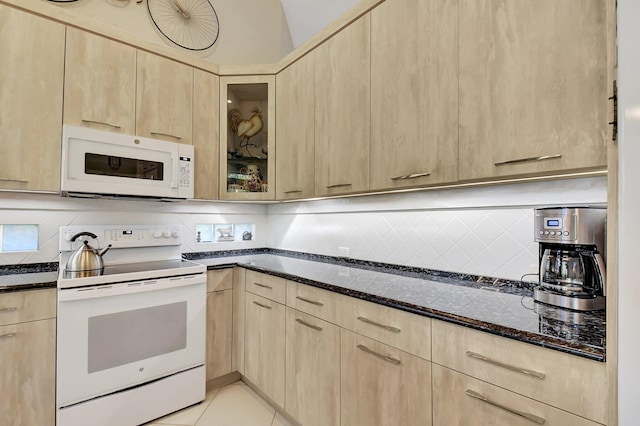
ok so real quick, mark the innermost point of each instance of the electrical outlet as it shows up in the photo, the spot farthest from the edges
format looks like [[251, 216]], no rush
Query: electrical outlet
[[343, 251]]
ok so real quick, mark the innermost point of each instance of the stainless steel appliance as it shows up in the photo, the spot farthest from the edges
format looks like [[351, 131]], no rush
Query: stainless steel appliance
[[130, 335], [572, 266], [96, 162]]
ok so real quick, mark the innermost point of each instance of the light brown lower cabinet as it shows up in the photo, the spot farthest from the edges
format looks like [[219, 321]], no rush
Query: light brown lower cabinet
[[381, 385], [219, 332], [459, 399], [313, 372], [27, 373], [264, 346]]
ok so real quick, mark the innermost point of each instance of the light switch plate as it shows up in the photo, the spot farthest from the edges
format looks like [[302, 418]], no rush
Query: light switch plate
[[343, 251]]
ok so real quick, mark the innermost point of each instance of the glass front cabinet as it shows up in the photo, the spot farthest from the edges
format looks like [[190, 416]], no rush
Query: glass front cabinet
[[247, 138]]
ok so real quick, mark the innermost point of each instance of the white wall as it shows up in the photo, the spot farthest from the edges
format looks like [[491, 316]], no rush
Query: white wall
[[629, 206], [51, 212], [308, 17], [484, 231], [251, 32]]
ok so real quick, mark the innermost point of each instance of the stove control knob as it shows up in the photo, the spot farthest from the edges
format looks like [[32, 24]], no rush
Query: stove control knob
[[68, 236], [157, 234], [175, 234], [166, 234]]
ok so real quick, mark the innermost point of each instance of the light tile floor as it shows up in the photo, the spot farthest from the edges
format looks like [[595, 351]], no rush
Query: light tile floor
[[232, 405]]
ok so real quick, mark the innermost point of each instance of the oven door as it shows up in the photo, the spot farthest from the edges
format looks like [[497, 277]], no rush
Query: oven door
[[114, 336], [95, 161]]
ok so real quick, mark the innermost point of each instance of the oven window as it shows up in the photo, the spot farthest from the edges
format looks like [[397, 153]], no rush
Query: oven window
[[109, 165], [124, 337]]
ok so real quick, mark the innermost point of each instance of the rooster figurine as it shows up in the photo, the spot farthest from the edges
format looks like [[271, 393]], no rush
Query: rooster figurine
[[245, 129]]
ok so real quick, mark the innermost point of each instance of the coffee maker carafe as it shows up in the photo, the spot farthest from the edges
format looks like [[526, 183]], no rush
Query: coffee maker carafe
[[572, 268]]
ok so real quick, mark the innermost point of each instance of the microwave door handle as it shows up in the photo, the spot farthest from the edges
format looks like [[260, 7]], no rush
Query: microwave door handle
[[174, 171]]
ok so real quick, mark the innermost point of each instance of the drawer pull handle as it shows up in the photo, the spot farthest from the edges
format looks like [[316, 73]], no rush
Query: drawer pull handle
[[263, 286], [313, 302], [530, 417], [6, 336], [219, 292], [315, 327], [261, 305], [527, 159], [393, 361], [104, 123], [293, 191], [411, 176], [166, 134], [13, 180], [377, 324], [9, 309], [531, 373], [338, 185]]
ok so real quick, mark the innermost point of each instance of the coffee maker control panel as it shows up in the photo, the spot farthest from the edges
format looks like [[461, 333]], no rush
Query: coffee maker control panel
[[570, 225]]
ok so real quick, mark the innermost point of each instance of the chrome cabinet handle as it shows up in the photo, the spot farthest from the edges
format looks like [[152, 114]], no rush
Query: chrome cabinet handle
[[166, 134], [219, 292], [6, 336], [411, 176], [9, 309], [338, 185], [313, 302], [115, 126], [13, 180], [303, 322], [393, 361], [377, 324], [528, 416], [263, 286], [531, 373], [527, 159], [293, 191], [261, 305]]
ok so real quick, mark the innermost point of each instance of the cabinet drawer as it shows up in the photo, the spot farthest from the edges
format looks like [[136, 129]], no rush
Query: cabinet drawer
[[315, 301], [265, 285], [30, 305], [400, 329], [462, 400], [565, 381], [220, 279]]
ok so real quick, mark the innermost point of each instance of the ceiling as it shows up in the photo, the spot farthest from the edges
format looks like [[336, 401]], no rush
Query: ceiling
[[307, 17]]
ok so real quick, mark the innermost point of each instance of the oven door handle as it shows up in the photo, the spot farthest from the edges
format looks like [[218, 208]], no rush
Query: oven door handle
[[118, 289]]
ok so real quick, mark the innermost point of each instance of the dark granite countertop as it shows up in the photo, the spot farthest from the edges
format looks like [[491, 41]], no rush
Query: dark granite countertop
[[502, 309]]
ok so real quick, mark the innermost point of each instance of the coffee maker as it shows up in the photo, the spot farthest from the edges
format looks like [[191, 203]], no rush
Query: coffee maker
[[572, 267]]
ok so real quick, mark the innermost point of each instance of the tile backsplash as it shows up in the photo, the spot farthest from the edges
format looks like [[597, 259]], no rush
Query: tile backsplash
[[484, 231]]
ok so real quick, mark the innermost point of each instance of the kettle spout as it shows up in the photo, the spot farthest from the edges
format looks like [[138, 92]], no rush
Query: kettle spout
[[104, 250]]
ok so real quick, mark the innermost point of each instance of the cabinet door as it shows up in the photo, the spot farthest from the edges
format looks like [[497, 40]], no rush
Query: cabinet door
[[462, 400], [381, 385], [294, 130], [206, 125], [414, 93], [533, 89], [164, 99], [219, 332], [264, 344], [27, 373], [99, 83], [343, 111], [312, 376], [31, 79]]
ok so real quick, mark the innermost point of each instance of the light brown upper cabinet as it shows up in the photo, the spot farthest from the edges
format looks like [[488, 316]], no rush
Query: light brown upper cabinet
[[343, 111], [294, 130], [99, 83], [206, 122], [414, 93], [164, 98], [31, 79], [533, 89], [247, 137]]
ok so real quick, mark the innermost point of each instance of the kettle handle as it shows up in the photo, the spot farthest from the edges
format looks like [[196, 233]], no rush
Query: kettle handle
[[88, 234]]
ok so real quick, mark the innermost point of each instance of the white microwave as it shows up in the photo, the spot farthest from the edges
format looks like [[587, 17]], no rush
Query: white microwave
[[99, 163]]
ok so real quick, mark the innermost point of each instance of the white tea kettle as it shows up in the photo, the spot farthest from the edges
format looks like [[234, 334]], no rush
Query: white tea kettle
[[86, 258]]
